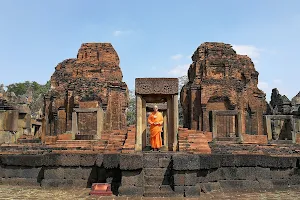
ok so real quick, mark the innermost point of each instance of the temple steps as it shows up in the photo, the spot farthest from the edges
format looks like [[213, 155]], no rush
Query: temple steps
[[193, 141], [129, 143], [157, 182]]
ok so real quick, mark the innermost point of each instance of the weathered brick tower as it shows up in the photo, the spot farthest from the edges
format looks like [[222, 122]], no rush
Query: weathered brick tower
[[221, 80], [87, 94]]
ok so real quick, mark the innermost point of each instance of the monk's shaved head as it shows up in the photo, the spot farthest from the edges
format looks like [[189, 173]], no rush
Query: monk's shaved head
[[155, 108]]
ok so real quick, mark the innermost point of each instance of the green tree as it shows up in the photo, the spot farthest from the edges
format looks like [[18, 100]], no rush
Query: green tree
[[38, 90], [22, 88], [131, 109]]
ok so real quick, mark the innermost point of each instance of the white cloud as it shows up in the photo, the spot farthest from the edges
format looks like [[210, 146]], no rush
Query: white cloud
[[249, 50], [189, 57], [119, 33], [179, 70], [277, 81], [263, 85], [176, 57]]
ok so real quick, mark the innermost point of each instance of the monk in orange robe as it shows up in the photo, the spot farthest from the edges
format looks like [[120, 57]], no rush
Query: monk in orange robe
[[155, 120]]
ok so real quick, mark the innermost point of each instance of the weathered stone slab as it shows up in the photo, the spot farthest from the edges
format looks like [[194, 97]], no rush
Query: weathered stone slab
[[131, 191], [34, 172], [280, 183], [157, 180], [157, 171], [131, 161], [265, 184], [150, 161], [132, 178], [156, 86], [23, 160], [99, 160], [239, 185], [54, 173], [210, 161], [186, 162], [192, 191], [277, 162], [247, 160], [64, 183], [84, 173], [159, 191], [179, 191], [226, 160], [20, 181], [2, 174], [154, 160], [210, 187], [88, 160], [179, 178], [191, 178], [282, 173], [69, 160], [111, 160]]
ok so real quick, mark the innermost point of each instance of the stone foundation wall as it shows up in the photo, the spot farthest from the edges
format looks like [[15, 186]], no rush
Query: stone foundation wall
[[152, 174]]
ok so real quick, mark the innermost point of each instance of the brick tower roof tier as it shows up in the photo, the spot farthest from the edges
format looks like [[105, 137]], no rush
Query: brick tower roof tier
[[96, 68]]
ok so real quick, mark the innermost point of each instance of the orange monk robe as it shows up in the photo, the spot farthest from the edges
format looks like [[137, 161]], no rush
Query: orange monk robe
[[155, 130]]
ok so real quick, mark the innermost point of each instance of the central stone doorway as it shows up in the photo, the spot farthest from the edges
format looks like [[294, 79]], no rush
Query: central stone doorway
[[157, 91]]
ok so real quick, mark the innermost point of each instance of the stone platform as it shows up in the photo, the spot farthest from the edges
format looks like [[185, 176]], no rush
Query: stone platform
[[152, 174]]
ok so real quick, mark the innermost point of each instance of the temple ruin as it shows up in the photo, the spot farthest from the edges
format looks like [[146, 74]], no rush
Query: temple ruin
[[283, 118], [222, 94], [231, 138], [16, 120], [87, 94]]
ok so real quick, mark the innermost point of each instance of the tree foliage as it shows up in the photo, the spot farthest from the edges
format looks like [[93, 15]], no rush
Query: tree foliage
[[131, 109], [36, 88]]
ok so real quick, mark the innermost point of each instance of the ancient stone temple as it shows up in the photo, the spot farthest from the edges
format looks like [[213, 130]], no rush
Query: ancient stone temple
[[222, 94], [283, 118], [15, 116], [87, 94]]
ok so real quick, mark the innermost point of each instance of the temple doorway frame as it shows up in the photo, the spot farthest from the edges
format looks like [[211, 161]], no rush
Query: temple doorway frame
[[157, 90]]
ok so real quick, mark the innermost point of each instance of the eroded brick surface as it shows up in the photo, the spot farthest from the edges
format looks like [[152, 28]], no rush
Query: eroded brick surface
[[92, 80], [220, 79]]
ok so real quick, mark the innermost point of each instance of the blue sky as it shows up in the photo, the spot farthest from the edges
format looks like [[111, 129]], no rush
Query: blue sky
[[153, 38]]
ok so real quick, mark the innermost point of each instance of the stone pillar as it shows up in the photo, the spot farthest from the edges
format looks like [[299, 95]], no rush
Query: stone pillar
[[170, 124], [44, 129], [195, 108], [214, 124], [139, 123], [74, 125], [144, 124], [100, 119], [294, 130], [175, 122], [165, 129], [239, 124], [205, 118], [269, 127]]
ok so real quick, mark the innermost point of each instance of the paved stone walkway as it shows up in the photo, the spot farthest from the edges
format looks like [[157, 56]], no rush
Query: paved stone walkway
[[33, 193]]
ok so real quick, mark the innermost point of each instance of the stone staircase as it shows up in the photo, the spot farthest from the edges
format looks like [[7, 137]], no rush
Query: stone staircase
[[158, 182], [130, 141], [75, 144], [227, 140], [193, 141], [116, 141]]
